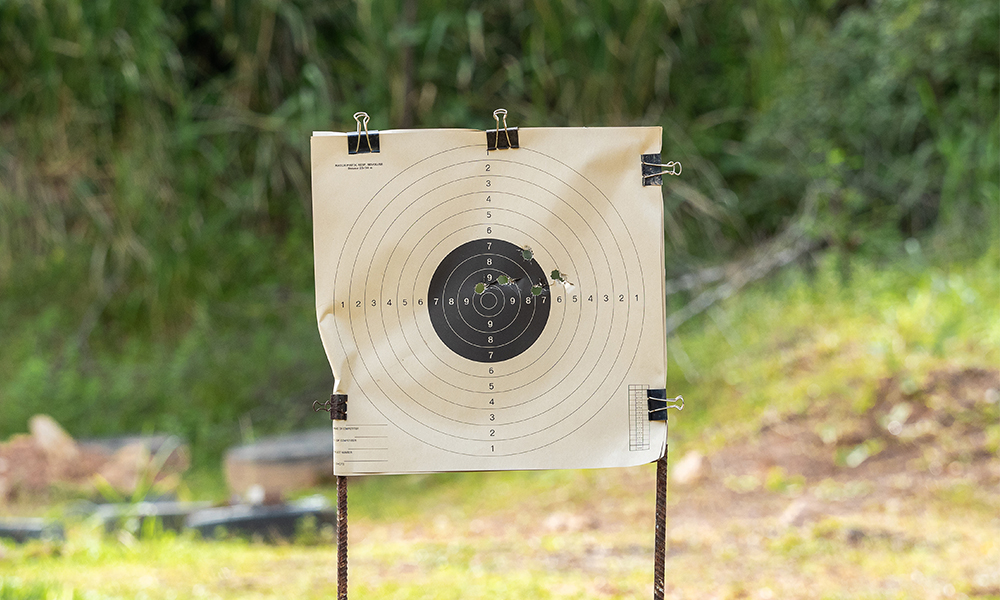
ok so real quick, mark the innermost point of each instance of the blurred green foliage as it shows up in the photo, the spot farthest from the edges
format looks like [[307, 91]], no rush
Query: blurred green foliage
[[897, 108], [155, 266]]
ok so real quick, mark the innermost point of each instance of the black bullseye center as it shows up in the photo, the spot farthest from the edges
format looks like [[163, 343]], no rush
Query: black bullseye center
[[503, 319]]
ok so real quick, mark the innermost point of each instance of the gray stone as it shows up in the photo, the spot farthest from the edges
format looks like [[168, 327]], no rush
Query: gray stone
[[171, 515], [281, 464], [800, 512], [272, 523], [689, 469], [22, 530]]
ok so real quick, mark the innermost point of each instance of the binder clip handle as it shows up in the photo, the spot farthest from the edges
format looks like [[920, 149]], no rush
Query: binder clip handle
[[672, 167], [361, 117], [493, 139], [659, 404], [354, 143], [501, 112], [653, 169]]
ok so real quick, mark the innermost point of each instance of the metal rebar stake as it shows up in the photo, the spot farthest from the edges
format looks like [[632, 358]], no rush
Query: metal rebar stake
[[341, 537], [660, 538]]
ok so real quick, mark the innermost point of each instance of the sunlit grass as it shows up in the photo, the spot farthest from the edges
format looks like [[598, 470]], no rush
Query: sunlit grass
[[815, 340], [898, 557]]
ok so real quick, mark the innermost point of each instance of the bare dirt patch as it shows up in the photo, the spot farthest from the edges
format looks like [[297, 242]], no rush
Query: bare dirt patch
[[908, 441]]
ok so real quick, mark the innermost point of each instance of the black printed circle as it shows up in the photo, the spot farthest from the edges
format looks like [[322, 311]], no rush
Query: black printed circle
[[502, 318]]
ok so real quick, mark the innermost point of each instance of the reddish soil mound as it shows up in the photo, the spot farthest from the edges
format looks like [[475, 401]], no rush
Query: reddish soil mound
[[31, 465]]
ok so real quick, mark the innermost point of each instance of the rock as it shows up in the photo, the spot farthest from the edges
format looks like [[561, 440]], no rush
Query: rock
[[689, 469], [31, 464], [126, 459], [171, 515], [564, 522], [855, 536], [22, 530], [57, 445], [177, 461], [125, 466], [281, 464], [272, 523], [992, 396], [154, 443], [800, 512]]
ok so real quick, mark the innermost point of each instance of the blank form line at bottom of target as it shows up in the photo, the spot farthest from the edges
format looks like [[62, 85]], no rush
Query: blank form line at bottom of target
[[354, 442]]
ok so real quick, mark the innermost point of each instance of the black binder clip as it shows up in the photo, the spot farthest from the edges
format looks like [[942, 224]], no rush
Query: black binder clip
[[653, 170], [659, 404], [336, 406], [501, 139], [362, 144]]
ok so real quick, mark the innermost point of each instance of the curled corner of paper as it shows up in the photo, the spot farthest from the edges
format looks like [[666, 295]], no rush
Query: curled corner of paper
[[340, 372], [338, 379]]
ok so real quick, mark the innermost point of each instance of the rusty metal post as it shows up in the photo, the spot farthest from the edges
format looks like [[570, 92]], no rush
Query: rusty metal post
[[341, 538], [337, 407], [660, 539]]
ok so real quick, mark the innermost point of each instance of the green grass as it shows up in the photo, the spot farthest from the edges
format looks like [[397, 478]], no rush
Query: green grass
[[426, 554], [810, 338]]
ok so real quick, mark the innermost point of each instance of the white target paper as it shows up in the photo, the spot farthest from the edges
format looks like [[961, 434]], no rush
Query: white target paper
[[457, 344]]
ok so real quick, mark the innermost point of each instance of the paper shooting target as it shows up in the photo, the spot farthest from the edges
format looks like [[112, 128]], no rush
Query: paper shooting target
[[487, 310]]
